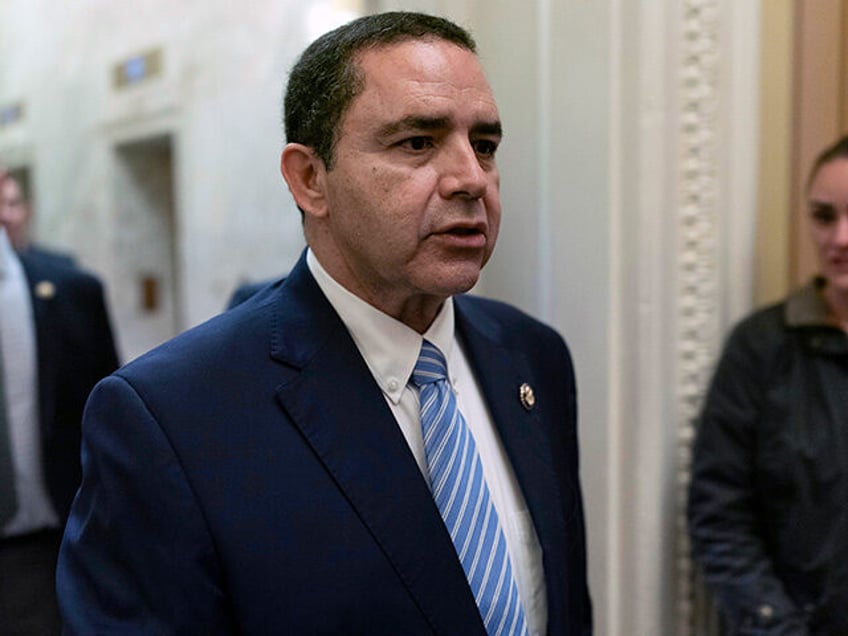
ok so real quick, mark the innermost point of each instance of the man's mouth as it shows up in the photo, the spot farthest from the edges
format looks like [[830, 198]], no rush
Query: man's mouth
[[465, 237]]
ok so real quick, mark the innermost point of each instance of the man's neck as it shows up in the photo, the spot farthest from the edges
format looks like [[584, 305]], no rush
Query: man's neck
[[415, 311]]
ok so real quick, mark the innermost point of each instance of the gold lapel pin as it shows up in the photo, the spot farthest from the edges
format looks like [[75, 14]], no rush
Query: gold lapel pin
[[527, 397], [45, 290]]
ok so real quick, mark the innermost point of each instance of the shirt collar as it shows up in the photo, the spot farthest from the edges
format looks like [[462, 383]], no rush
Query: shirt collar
[[389, 347], [806, 306], [6, 252]]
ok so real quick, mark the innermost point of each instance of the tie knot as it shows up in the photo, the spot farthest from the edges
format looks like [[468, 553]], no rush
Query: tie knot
[[431, 366]]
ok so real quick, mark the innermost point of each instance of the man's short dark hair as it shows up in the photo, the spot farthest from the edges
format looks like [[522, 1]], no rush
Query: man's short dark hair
[[326, 79]]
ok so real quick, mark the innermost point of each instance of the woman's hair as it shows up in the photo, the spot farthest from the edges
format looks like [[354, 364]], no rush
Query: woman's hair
[[837, 150]]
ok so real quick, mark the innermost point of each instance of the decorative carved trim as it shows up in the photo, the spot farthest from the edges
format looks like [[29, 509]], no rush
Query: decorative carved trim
[[699, 270]]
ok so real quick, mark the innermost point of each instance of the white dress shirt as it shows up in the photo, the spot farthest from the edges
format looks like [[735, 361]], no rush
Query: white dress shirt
[[18, 348], [390, 349]]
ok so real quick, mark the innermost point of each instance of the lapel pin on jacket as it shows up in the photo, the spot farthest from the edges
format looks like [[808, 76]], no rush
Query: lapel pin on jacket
[[45, 290], [527, 397]]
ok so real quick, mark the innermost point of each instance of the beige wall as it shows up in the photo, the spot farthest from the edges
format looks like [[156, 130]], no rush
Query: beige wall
[[775, 152], [802, 109], [817, 110]]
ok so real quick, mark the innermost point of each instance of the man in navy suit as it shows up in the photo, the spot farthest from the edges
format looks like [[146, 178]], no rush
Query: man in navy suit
[[265, 473], [55, 344]]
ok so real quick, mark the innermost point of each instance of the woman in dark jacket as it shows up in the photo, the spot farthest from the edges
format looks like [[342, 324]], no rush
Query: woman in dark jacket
[[768, 502]]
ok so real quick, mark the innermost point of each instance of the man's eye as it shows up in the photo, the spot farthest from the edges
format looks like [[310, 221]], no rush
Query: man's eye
[[417, 143], [485, 147]]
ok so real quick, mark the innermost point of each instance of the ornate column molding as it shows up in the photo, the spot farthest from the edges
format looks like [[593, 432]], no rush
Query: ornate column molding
[[716, 211], [698, 295]]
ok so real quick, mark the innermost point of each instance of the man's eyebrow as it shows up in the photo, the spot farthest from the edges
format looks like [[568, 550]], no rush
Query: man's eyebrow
[[488, 128], [416, 122]]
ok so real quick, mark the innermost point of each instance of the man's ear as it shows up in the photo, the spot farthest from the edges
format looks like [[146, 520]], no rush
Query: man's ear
[[304, 173]]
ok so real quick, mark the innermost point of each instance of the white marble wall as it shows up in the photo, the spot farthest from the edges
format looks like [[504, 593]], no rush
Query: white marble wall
[[218, 98]]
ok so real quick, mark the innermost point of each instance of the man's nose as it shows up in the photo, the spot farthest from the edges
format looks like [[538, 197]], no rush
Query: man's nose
[[462, 173]]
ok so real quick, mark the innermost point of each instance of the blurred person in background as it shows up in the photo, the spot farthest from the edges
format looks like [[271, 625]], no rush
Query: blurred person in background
[[55, 344], [17, 218], [768, 501], [14, 215]]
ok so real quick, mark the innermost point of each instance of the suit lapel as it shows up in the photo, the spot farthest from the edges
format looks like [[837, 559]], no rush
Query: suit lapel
[[42, 291], [341, 412], [500, 373]]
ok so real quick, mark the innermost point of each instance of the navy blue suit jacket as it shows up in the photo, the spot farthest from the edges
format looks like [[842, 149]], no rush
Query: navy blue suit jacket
[[248, 477], [245, 291], [75, 349]]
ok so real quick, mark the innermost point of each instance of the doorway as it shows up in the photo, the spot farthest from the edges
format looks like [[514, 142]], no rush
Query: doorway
[[147, 288]]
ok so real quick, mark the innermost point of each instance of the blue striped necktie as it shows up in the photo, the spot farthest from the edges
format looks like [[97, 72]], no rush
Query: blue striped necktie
[[462, 496]]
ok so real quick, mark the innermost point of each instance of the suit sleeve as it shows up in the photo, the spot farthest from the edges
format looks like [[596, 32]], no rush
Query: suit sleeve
[[137, 557], [724, 526]]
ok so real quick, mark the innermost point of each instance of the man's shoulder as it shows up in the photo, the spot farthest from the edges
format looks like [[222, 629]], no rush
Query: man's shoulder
[[503, 313], [39, 261], [247, 290], [50, 256], [49, 273], [229, 339], [506, 324]]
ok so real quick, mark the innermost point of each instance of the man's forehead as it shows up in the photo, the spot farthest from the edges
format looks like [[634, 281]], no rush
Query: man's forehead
[[396, 59], [412, 82]]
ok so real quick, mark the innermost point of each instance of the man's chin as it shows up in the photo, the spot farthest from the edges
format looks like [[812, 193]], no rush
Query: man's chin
[[446, 276], [447, 287]]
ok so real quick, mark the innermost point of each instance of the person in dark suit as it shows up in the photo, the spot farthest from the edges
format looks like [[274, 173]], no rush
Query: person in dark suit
[[293, 465], [55, 344]]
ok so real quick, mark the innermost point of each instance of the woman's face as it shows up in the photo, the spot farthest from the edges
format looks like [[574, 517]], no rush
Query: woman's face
[[828, 210]]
